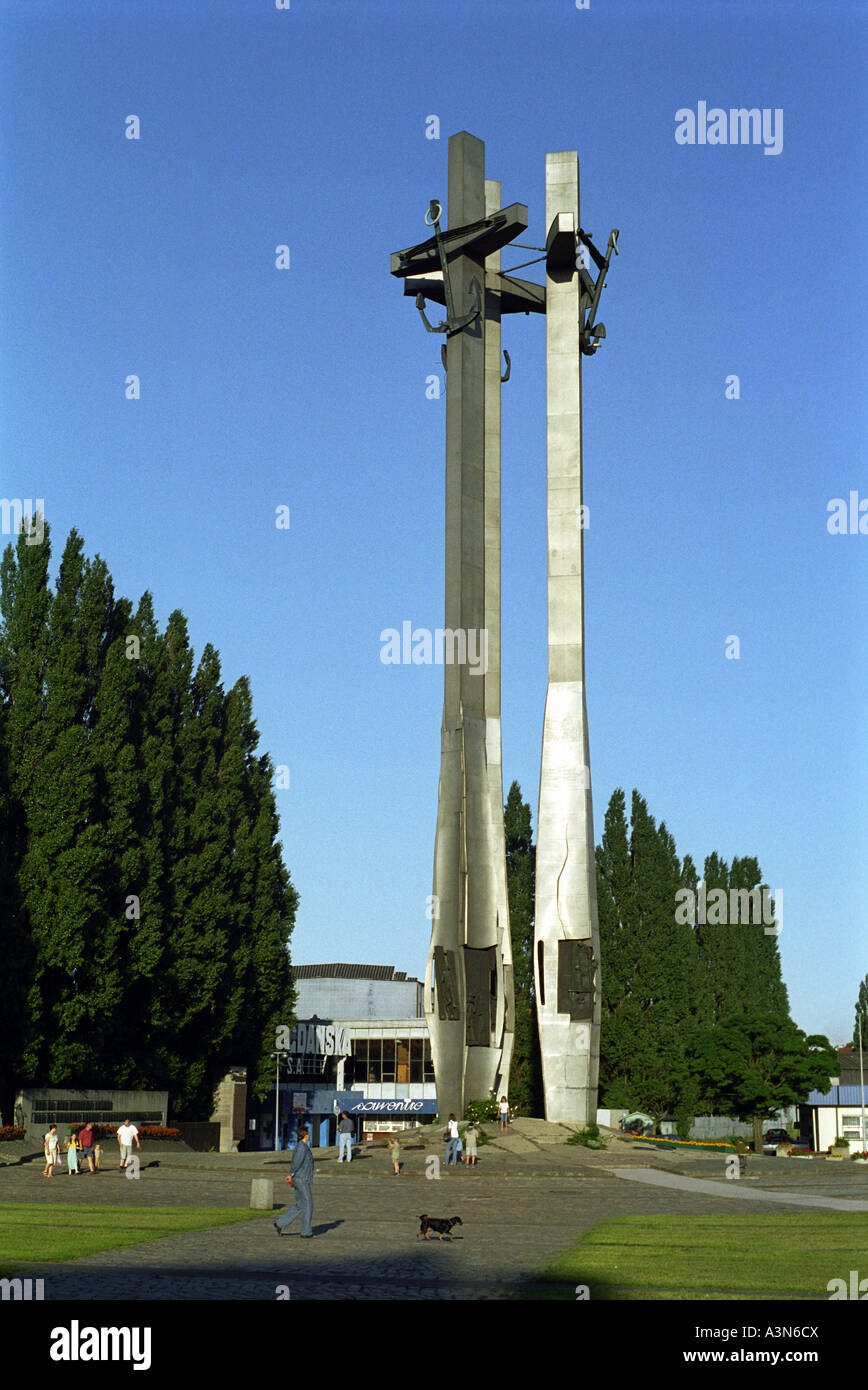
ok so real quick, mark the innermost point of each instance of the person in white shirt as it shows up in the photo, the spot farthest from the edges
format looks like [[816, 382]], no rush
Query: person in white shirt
[[127, 1133], [50, 1143], [504, 1112], [451, 1140]]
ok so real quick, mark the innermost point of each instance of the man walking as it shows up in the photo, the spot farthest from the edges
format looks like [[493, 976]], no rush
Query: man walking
[[345, 1138], [126, 1134], [301, 1177]]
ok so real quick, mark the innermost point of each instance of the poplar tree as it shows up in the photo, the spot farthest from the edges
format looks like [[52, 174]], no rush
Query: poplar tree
[[861, 1015], [525, 1076], [620, 1015], [145, 909], [62, 863], [257, 991], [24, 605], [665, 968]]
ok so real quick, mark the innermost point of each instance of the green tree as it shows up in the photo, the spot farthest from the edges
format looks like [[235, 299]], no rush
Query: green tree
[[665, 970], [525, 1077], [651, 966], [619, 950], [63, 863], [861, 1014], [752, 1065], [24, 606], [740, 961], [256, 992], [145, 910]]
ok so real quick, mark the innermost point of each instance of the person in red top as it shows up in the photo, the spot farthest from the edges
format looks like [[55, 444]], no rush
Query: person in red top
[[85, 1139]]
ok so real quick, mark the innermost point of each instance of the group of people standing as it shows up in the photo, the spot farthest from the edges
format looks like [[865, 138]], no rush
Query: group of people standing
[[461, 1148], [300, 1177], [84, 1143], [464, 1147]]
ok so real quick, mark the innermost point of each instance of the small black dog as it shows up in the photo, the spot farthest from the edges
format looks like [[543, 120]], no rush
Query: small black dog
[[439, 1225]]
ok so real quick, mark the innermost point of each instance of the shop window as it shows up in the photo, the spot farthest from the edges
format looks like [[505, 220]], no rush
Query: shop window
[[428, 1063], [402, 1060], [388, 1059], [375, 1060], [360, 1060], [416, 1059]]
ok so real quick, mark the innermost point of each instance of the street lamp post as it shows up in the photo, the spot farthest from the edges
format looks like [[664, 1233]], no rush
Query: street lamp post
[[862, 1086], [836, 1082], [277, 1056]]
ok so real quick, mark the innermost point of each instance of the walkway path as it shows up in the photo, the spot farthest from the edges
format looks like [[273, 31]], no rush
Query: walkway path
[[736, 1190], [530, 1198]]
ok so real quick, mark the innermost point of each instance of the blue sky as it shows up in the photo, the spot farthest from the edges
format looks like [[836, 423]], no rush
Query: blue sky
[[307, 387]]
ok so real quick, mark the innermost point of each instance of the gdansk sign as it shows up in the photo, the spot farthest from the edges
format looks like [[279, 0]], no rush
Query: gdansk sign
[[321, 1039]]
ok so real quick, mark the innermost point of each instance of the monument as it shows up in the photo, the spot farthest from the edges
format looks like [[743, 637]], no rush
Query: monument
[[469, 999]]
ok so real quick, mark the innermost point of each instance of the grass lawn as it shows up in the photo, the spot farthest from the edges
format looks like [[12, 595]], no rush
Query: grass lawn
[[696, 1257], [31, 1234]]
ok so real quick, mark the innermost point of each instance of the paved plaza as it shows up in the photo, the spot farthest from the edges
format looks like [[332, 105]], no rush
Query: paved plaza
[[524, 1204]]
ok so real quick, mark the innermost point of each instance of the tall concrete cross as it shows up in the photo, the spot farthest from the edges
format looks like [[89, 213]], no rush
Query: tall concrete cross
[[566, 932], [469, 998], [469, 981]]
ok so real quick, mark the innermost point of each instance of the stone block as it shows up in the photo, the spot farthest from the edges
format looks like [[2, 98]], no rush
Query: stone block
[[261, 1194]]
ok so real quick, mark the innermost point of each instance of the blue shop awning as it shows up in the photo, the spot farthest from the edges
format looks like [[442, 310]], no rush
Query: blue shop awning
[[331, 1102]]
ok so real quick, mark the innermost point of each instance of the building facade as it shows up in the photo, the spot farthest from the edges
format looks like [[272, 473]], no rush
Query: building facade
[[360, 1044], [842, 1111]]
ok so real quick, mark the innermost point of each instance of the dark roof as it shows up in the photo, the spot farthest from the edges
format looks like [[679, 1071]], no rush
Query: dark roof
[[349, 972], [848, 1066]]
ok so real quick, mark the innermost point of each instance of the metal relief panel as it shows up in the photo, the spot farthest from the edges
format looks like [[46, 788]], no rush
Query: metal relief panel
[[509, 994], [480, 971], [576, 980], [446, 984]]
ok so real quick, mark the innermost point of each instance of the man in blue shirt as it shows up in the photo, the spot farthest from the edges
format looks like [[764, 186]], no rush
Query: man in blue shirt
[[301, 1173]]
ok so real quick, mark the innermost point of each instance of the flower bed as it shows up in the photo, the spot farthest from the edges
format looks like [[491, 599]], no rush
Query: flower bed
[[102, 1132], [715, 1147], [12, 1132]]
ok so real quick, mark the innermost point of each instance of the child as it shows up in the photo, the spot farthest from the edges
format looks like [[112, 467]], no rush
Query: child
[[470, 1145], [97, 1155], [72, 1152], [395, 1151]]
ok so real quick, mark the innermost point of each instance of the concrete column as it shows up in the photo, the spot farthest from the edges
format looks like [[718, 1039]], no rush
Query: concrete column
[[467, 1020], [460, 795], [566, 952], [497, 1065]]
